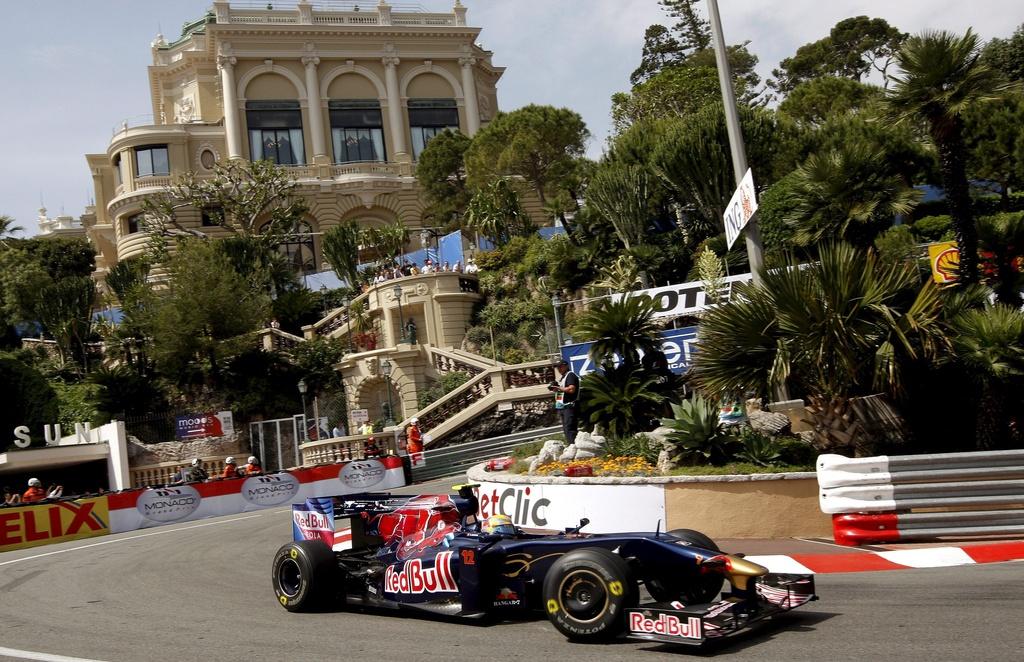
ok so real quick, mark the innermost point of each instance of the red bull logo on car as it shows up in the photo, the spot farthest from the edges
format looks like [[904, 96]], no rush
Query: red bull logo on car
[[665, 624], [415, 579]]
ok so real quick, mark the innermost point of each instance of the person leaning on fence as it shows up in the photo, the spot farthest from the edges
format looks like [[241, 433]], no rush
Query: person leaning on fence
[[230, 468], [566, 390], [197, 473], [370, 448], [253, 467], [35, 491], [11, 498]]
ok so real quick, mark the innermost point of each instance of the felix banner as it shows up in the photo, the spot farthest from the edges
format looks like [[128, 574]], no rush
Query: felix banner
[[31, 526], [676, 344]]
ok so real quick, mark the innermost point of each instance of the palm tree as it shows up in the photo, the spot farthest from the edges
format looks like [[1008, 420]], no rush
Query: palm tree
[[624, 327], [496, 212], [847, 193], [940, 77], [7, 228], [622, 400], [990, 344], [844, 326], [341, 248]]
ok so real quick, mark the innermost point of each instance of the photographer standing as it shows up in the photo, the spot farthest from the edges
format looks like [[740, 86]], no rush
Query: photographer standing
[[567, 390]]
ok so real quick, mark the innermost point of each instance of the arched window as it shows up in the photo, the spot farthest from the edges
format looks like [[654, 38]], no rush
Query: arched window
[[299, 249]]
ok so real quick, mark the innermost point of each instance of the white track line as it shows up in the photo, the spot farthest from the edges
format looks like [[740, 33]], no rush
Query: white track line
[[45, 657], [116, 540]]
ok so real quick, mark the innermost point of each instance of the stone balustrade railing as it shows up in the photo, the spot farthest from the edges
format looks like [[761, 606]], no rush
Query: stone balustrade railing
[[276, 340], [163, 472], [327, 12], [445, 361], [341, 449]]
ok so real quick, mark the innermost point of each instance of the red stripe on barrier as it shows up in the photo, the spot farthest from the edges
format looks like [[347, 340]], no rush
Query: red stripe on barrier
[[858, 562], [1008, 551], [852, 529]]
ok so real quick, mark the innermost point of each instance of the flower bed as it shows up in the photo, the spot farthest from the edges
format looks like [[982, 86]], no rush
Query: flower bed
[[600, 466]]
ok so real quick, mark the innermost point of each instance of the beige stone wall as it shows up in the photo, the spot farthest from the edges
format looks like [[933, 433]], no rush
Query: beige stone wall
[[747, 508]]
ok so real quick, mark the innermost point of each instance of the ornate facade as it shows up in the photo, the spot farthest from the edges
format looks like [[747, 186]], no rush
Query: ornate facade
[[345, 95]]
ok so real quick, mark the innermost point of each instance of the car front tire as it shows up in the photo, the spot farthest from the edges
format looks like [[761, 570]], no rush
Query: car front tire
[[586, 593]]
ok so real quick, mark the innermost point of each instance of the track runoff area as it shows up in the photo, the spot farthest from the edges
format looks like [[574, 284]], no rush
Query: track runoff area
[[202, 591]]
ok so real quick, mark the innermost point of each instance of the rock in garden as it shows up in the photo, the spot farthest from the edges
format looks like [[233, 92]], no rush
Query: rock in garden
[[550, 451], [590, 445], [569, 454], [582, 454], [768, 422], [665, 463]]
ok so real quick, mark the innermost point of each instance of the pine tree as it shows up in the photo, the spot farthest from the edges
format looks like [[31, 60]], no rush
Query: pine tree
[[693, 29]]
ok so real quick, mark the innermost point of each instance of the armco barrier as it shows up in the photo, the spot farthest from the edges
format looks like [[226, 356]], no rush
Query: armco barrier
[[451, 460], [922, 497], [144, 508]]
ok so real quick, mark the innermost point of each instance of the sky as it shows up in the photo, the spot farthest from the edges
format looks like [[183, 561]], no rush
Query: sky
[[76, 68]]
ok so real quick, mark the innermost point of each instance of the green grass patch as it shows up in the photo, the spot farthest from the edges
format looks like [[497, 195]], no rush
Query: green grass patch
[[738, 468]]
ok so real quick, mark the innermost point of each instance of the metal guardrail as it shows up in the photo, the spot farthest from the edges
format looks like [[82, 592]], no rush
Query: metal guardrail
[[872, 499], [452, 460]]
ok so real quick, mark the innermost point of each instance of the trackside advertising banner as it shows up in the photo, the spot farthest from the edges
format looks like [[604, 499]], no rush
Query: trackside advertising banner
[[610, 508], [31, 526], [677, 344], [684, 298], [140, 509]]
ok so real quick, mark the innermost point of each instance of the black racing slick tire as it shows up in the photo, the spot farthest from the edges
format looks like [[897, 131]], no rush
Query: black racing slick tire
[[586, 593], [304, 575], [690, 590]]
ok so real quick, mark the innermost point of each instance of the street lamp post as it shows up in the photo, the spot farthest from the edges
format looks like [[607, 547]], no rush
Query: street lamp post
[[556, 301], [386, 367], [323, 298], [755, 250], [401, 319], [302, 393]]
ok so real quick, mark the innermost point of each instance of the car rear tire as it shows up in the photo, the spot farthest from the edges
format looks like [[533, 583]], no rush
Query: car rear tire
[[586, 593], [689, 590], [304, 575]]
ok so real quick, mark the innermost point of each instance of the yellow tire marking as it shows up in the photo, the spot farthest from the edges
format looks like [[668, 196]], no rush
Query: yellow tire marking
[[294, 553], [615, 588], [283, 599], [552, 606]]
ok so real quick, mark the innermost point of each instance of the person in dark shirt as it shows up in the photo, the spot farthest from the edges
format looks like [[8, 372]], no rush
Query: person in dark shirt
[[567, 391]]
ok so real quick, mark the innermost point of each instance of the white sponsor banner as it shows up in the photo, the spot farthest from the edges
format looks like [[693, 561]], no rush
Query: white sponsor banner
[[183, 503], [360, 415], [610, 508], [685, 298], [741, 208]]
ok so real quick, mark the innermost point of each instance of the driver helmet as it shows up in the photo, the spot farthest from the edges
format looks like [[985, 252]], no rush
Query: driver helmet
[[252, 459], [498, 525], [35, 482], [230, 460], [195, 462]]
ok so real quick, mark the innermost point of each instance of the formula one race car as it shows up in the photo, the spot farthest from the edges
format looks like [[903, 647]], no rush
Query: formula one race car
[[430, 553]]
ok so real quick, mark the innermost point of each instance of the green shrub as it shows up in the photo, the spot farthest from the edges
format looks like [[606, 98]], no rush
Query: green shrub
[[758, 448], [796, 451], [529, 450], [28, 400], [637, 445], [933, 228], [697, 434], [897, 244], [442, 387]]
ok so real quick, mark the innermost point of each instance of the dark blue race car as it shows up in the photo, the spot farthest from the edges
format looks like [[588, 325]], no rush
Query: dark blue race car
[[428, 553]]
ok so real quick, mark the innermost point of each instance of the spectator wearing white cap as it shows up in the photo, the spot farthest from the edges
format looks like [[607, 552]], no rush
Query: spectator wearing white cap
[[230, 468]]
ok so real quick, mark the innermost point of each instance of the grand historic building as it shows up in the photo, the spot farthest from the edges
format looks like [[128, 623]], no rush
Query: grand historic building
[[345, 95]]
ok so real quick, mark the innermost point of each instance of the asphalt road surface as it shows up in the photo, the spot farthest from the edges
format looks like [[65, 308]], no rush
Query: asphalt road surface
[[201, 591]]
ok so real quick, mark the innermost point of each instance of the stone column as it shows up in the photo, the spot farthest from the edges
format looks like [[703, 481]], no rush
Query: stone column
[[469, 91], [226, 63], [316, 113], [395, 107]]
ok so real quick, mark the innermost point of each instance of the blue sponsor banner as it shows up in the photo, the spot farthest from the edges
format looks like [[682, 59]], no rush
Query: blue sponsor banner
[[677, 344]]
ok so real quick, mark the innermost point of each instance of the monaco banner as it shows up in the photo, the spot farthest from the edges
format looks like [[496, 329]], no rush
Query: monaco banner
[[141, 509]]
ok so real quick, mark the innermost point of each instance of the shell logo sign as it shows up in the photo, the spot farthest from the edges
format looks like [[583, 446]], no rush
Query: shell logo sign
[[945, 262]]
